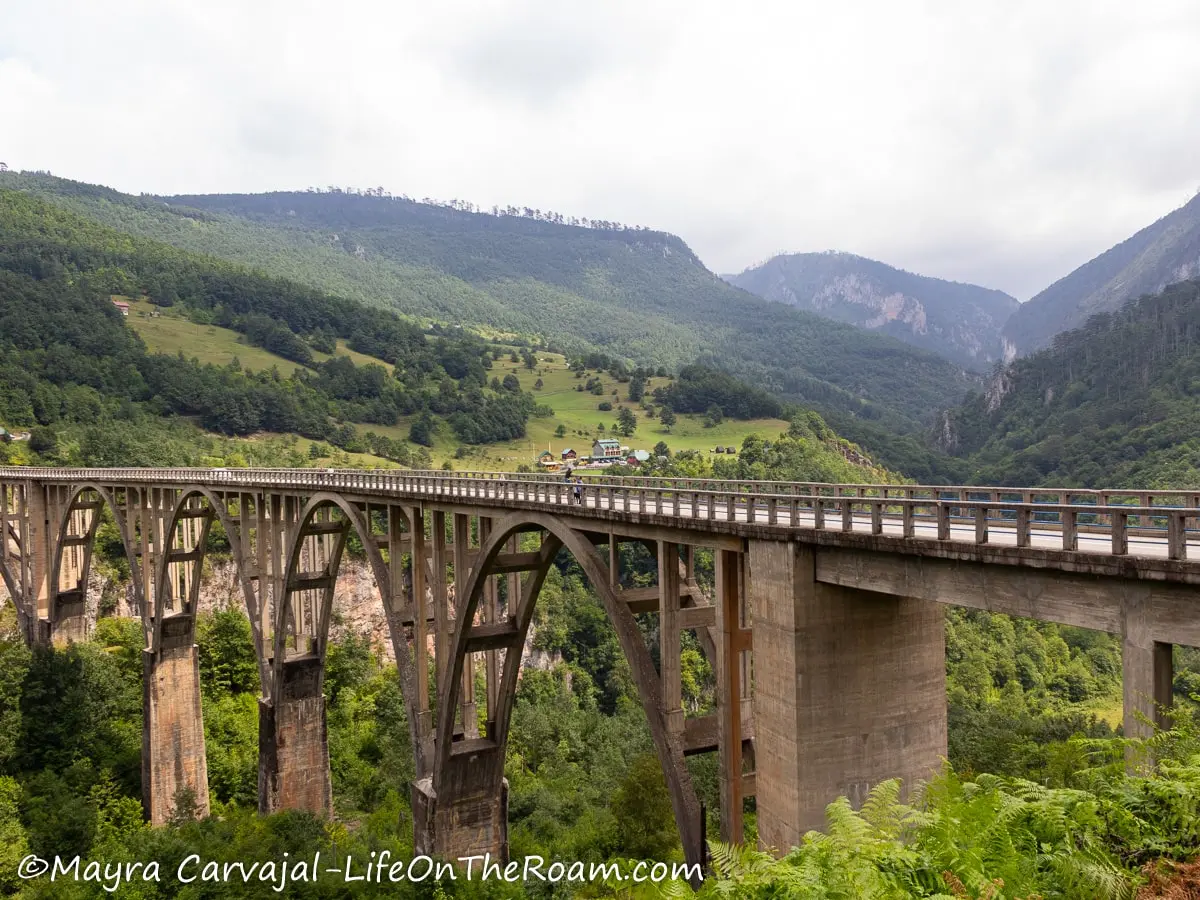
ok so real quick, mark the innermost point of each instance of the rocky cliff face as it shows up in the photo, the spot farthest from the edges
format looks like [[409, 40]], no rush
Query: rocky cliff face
[[358, 608], [959, 321]]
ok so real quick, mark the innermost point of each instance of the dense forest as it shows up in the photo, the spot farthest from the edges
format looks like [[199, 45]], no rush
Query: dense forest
[[1114, 404]]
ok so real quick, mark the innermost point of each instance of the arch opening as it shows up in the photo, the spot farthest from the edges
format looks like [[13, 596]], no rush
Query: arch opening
[[294, 764], [63, 607], [466, 770]]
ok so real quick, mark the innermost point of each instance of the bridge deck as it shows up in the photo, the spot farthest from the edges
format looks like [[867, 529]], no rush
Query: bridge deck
[[1141, 534]]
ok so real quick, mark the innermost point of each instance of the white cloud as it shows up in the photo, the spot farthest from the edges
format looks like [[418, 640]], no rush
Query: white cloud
[[997, 142]]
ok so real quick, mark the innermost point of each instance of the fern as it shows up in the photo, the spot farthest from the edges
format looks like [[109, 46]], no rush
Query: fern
[[992, 838]]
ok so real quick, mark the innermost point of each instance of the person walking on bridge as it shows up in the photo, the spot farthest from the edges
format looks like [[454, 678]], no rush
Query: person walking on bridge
[[578, 490]]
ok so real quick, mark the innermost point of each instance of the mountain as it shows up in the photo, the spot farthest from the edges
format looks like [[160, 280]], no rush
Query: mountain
[[632, 293], [962, 322], [1112, 404], [71, 361], [1160, 254], [120, 350]]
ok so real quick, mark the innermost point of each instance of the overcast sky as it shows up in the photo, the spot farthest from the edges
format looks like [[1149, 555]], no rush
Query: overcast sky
[[996, 141]]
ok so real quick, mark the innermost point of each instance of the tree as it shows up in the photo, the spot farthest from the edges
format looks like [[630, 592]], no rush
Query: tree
[[627, 421], [667, 417], [637, 389], [661, 449], [537, 385], [43, 440], [643, 807], [560, 431], [421, 431], [227, 662]]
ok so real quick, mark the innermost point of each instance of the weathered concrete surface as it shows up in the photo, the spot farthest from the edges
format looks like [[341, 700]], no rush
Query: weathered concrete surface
[[467, 826], [1146, 676], [173, 757], [849, 690], [70, 621], [293, 744]]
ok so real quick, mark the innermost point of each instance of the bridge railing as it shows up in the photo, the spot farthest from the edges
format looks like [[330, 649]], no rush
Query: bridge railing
[[1189, 499], [1166, 499], [1025, 516]]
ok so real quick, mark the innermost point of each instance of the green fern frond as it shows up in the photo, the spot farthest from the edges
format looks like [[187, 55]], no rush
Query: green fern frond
[[883, 810]]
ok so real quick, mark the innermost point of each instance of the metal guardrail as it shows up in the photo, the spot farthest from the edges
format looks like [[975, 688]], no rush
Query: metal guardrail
[[1023, 517]]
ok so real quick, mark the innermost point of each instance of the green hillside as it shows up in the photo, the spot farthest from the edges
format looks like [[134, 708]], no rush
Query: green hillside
[[1114, 403], [635, 294], [171, 331], [69, 360], [238, 366]]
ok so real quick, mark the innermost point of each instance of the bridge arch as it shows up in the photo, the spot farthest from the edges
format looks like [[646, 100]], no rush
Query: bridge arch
[[451, 766], [192, 554], [76, 516], [10, 581], [294, 764], [285, 612]]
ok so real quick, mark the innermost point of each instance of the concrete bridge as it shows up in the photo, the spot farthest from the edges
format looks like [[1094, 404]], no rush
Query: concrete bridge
[[823, 620]]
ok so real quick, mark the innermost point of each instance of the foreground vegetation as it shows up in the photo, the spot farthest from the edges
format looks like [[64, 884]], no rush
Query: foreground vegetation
[[993, 837]]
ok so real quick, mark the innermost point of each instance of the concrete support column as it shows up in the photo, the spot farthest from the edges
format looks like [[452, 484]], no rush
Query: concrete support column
[[465, 823], [849, 690], [174, 765], [1147, 673], [731, 690], [293, 743], [37, 541], [69, 619]]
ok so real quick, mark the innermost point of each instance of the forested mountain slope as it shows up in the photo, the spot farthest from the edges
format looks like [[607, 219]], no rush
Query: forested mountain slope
[[69, 360], [637, 294], [331, 370], [961, 322], [1163, 253], [1115, 403]]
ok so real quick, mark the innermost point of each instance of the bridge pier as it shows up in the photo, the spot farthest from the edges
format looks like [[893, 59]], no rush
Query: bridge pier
[[469, 823], [69, 620], [173, 754], [850, 690], [293, 742], [1147, 673]]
